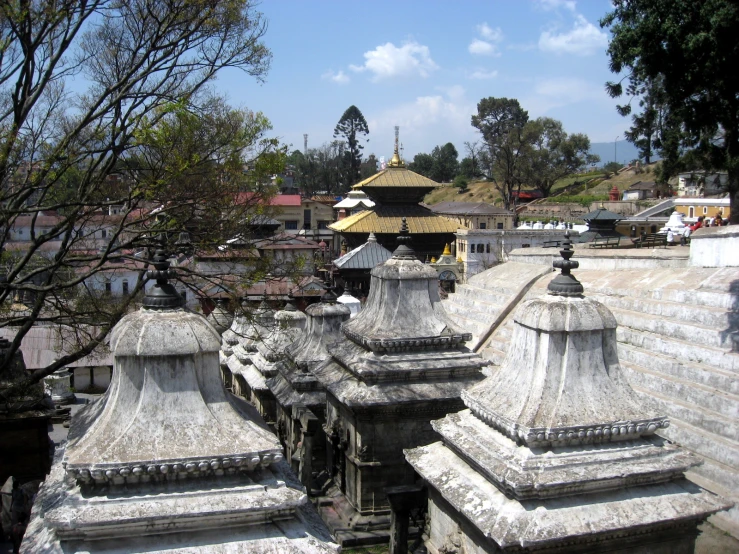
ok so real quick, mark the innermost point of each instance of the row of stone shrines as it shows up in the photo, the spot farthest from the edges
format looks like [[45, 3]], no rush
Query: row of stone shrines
[[550, 452]]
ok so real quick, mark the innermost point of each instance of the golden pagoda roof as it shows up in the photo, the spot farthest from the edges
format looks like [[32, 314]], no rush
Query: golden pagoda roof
[[388, 219], [397, 177]]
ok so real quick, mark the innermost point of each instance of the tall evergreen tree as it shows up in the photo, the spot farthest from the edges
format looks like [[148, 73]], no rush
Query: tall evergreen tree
[[501, 123], [352, 127], [692, 47]]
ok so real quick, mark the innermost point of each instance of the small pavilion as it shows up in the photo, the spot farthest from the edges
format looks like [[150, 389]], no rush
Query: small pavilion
[[397, 193]]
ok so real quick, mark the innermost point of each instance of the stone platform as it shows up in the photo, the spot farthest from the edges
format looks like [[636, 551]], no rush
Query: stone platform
[[676, 340]]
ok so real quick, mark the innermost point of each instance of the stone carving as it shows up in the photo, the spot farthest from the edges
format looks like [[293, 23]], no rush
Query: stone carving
[[166, 459], [556, 450]]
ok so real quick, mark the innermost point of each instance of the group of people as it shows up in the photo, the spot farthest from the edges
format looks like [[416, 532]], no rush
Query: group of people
[[716, 221]]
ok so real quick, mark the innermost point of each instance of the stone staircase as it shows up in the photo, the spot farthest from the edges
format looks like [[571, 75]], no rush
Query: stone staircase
[[677, 339], [479, 306], [678, 350]]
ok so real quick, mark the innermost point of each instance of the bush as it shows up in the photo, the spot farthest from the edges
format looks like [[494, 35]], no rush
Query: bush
[[460, 181]]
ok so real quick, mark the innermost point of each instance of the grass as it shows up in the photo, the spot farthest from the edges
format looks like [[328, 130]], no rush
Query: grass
[[593, 184]]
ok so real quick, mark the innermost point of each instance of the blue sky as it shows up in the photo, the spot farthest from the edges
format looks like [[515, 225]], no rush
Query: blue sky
[[424, 65]]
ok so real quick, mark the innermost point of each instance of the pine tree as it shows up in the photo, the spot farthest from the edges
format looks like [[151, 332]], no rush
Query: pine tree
[[351, 127]]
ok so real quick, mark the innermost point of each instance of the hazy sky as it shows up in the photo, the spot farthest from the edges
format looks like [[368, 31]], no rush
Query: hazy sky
[[424, 65]]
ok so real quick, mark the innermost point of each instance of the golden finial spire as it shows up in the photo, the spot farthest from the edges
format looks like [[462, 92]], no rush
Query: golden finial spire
[[396, 161], [447, 250]]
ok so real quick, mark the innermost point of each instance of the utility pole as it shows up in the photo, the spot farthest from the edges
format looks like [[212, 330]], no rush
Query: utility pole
[[615, 148], [305, 144]]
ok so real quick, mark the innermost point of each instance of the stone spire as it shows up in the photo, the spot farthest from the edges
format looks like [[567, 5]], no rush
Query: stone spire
[[219, 317], [400, 365], [564, 367], [167, 459], [166, 414], [556, 451], [403, 311], [323, 327], [288, 327]]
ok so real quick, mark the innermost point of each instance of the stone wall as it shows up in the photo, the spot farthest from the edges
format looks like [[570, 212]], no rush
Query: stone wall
[[715, 247], [496, 245]]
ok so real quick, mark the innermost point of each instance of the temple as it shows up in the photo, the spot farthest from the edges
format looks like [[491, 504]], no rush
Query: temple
[[400, 364], [397, 193], [555, 452], [167, 460]]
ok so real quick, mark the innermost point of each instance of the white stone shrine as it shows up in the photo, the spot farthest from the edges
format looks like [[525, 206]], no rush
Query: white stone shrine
[[555, 452], [167, 460]]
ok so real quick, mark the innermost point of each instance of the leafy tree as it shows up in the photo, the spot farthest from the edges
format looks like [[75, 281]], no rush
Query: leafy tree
[[445, 165], [552, 154], [501, 123], [323, 169], [441, 165], [423, 164], [470, 166], [691, 47], [369, 166], [143, 68], [460, 181], [612, 167], [351, 125]]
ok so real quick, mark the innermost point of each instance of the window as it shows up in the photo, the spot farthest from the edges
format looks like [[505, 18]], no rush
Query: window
[[500, 225], [691, 211], [108, 286], [103, 233], [525, 246], [705, 210], [487, 248], [306, 219], [483, 226], [480, 248], [291, 225], [184, 295], [124, 284], [323, 224]]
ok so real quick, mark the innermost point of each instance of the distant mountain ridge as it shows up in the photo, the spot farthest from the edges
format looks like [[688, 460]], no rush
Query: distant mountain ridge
[[624, 152]]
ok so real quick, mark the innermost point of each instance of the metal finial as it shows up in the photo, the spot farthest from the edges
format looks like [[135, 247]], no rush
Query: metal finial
[[163, 295], [404, 250], [329, 296], [565, 284], [184, 243]]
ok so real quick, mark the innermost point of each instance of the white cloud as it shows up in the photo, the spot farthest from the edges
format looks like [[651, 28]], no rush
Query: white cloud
[[489, 46], [584, 39], [482, 48], [488, 33], [549, 94], [388, 61], [425, 122], [339, 77], [481, 74], [549, 5]]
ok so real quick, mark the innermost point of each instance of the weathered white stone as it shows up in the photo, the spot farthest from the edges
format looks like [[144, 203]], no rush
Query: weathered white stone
[[556, 451], [167, 461], [401, 364], [715, 247]]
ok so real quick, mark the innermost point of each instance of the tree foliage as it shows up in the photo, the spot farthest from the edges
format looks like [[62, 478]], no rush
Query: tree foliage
[[441, 165], [471, 166], [322, 170], [351, 128], [691, 49], [501, 123], [139, 110], [552, 154]]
